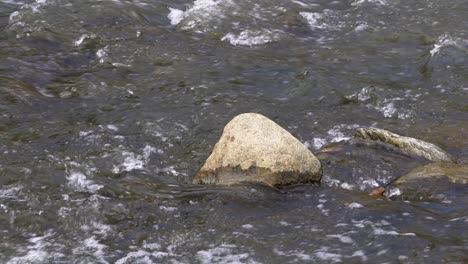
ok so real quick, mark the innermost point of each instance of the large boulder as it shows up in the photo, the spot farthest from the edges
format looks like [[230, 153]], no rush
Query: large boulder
[[437, 181], [407, 145], [253, 148]]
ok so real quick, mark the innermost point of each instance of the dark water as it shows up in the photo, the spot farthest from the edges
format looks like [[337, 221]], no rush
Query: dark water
[[109, 108]]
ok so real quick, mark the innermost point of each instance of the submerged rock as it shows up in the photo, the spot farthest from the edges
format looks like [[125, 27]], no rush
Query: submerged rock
[[407, 145], [456, 173], [357, 165], [253, 148], [432, 181]]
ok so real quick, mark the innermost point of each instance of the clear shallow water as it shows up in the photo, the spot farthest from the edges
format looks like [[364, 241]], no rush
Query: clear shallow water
[[109, 108]]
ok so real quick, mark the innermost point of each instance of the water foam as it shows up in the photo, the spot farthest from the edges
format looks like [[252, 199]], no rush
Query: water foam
[[134, 161], [176, 16], [79, 182], [10, 192], [92, 246], [337, 133], [355, 205], [223, 254], [444, 41], [388, 106], [314, 20], [251, 37], [361, 2], [202, 13], [342, 238], [37, 252]]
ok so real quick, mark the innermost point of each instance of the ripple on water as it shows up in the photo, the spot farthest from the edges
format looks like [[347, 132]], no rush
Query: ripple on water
[[252, 38], [79, 182], [38, 250], [224, 254]]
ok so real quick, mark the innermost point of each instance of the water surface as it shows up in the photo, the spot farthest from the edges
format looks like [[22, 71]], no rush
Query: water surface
[[109, 108]]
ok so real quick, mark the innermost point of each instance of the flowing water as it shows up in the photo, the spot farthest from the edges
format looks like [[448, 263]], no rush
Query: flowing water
[[108, 109]]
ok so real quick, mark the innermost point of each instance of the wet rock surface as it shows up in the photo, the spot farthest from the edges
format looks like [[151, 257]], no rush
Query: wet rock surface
[[407, 145], [456, 173], [434, 181], [253, 148]]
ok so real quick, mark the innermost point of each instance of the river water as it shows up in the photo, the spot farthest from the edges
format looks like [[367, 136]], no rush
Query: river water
[[109, 108]]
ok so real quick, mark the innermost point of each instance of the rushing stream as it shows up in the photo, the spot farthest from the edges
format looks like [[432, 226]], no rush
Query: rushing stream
[[109, 108]]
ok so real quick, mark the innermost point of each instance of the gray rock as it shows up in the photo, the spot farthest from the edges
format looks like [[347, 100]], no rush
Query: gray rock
[[434, 181], [456, 173], [407, 145], [253, 148]]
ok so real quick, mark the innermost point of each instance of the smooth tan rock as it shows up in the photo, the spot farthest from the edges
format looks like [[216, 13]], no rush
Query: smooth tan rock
[[407, 145], [253, 148], [456, 173]]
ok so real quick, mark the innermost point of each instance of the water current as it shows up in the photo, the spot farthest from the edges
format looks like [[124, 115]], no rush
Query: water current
[[109, 108]]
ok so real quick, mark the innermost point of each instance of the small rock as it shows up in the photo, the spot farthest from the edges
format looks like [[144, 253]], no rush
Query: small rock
[[456, 173], [378, 191], [407, 145], [253, 148], [433, 181]]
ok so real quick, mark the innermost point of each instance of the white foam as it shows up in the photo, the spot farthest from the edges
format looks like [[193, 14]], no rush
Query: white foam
[[247, 226], [342, 238], [91, 246], [361, 27], [387, 106], [394, 192], [36, 252], [465, 218], [82, 38], [175, 15], [202, 13], [171, 170], [347, 186], [144, 256], [167, 208], [152, 246], [314, 20], [382, 252], [112, 127], [85, 133], [303, 256], [20, 22], [97, 228], [140, 255], [10, 192], [33, 256], [338, 133], [251, 37], [443, 41], [360, 2], [147, 151], [12, 2], [133, 161], [361, 254], [79, 182], [355, 205], [322, 255], [102, 54], [223, 254], [388, 110], [379, 231], [319, 142]]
